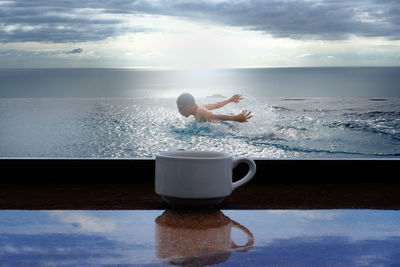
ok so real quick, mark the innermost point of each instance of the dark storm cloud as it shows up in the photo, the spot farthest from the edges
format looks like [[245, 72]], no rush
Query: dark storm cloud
[[331, 19], [79, 21], [49, 33], [58, 21]]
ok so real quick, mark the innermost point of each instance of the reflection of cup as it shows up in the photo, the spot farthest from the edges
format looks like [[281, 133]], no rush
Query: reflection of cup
[[197, 238], [197, 178]]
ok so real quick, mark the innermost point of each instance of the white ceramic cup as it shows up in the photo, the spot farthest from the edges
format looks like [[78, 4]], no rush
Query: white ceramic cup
[[197, 175]]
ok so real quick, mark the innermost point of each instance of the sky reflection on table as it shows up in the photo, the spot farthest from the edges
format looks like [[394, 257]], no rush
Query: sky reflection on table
[[292, 237]]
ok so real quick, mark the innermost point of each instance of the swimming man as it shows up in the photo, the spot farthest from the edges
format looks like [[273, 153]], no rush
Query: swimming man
[[187, 106]]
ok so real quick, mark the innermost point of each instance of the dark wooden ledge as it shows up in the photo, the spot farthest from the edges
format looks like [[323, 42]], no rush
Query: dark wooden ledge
[[332, 196], [129, 184]]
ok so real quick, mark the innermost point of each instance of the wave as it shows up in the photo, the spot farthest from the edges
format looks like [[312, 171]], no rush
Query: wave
[[310, 151], [387, 115], [377, 122], [378, 99], [278, 108], [305, 110]]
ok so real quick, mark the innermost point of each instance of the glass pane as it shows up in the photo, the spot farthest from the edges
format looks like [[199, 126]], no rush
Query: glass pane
[[226, 237]]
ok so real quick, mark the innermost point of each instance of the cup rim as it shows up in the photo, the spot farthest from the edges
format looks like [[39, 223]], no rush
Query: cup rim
[[193, 154]]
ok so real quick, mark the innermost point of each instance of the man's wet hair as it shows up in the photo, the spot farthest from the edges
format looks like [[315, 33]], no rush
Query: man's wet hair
[[185, 99]]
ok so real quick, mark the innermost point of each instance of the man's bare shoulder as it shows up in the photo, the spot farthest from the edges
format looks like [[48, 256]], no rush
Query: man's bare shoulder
[[202, 110], [203, 114]]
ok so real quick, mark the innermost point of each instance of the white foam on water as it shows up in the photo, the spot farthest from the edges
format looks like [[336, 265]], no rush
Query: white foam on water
[[260, 124]]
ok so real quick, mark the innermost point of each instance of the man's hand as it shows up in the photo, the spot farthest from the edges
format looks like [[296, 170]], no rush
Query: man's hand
[[243, 116], [236, 98]]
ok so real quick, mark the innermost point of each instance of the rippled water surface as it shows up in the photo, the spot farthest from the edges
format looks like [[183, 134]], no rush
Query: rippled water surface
[[140, 127]]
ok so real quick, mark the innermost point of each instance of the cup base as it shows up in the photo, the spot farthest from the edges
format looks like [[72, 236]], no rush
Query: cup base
[[203, 203]]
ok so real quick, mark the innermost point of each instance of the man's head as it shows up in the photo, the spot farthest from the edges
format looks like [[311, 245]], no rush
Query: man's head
[[185, 103]]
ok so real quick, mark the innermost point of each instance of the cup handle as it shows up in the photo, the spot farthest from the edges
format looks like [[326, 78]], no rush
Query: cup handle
[[250, 238], [249, 175]]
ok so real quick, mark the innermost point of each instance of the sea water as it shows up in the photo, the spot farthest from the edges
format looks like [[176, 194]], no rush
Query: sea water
[[119, 113]]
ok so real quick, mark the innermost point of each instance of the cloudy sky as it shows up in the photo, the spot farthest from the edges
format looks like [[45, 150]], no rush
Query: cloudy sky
[[199, 33]]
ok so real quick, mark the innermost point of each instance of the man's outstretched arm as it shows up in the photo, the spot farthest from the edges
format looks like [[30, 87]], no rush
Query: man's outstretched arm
[[235, 98], [243, 116]]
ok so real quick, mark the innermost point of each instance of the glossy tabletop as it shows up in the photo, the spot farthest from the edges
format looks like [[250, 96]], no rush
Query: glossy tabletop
[[184, 238]]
